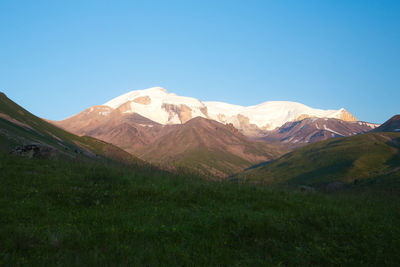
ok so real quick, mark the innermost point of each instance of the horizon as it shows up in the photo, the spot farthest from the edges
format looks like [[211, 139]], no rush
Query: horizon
[[61, 58]]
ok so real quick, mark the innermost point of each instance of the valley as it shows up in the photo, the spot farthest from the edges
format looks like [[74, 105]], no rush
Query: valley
[[196, 191]]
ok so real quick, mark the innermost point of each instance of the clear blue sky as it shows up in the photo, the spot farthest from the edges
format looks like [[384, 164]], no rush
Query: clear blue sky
[[60, 57]]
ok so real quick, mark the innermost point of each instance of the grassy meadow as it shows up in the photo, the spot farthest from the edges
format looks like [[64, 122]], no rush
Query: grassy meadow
[[69, 213]]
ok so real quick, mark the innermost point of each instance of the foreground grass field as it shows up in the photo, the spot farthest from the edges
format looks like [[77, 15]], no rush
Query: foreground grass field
[[68, 213]]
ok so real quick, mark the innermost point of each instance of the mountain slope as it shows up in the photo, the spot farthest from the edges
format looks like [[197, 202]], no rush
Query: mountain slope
[[310, 130], [346, 160], [391, 125], [129, 131], [208, 147], [18, 127]]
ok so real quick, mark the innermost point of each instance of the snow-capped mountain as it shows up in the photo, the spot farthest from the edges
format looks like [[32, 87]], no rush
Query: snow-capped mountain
[[270, 115], [167, 108], [160, 106]]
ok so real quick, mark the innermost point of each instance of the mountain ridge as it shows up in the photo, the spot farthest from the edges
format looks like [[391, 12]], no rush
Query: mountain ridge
[[166, 108], [208, 147]]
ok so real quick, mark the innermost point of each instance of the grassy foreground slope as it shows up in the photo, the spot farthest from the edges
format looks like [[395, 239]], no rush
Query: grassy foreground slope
[[19, 127], [363, 158], [61, 213]]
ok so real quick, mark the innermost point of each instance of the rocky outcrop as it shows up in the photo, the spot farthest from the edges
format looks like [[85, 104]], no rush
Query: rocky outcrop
[[347, 116], [302, 117], [204, 110], [144, 100], [247, 128], [35, 151], [183, 112], [125, 107], [232, 128]]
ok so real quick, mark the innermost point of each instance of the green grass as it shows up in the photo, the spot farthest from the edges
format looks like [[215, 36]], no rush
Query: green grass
[[360, 157], [72, 213], [26, 128]]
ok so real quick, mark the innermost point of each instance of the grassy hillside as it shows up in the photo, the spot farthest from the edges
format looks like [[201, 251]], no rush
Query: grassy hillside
[[19, 127], [348, 160], [63, 213], [74, 210]]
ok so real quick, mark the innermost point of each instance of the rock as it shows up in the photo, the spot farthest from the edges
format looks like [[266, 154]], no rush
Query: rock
[[306, 189], [334, 186], [35, 150]]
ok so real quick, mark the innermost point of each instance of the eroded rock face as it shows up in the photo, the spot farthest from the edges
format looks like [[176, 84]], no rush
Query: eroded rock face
[[302, 117], [232, 128], [204, 110], [346, 116], [221, 117], [125, 107], [243, 120], [247, 128], [184, 112], [144, 100]]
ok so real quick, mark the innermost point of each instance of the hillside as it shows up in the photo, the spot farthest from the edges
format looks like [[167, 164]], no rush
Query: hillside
[[18, 127], [208, 147], [349, 160], [129, 131], [56, 213], [391, 125], [86, 213], [299, 133]]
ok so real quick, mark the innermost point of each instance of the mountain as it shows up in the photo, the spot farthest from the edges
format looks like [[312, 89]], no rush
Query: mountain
[[269, 115], [129, 131], [370, 157], [391, 125], [138, 118], [166, 108], [208, 147], [310, 130], [23, 133], [160, 106]]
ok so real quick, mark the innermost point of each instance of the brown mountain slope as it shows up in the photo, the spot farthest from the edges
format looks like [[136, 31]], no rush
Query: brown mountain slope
[[208, 147], [128, 131], [310, 130], [391, 125]]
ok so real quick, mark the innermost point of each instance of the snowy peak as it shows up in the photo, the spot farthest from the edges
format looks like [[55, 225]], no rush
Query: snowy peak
[[270, 115], [168, 108], [154, 92], [160, 106]]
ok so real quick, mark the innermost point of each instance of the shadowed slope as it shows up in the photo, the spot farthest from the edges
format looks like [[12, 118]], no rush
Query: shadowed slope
[[19, 127], [391, 125], [348, 160], [310, 130]]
